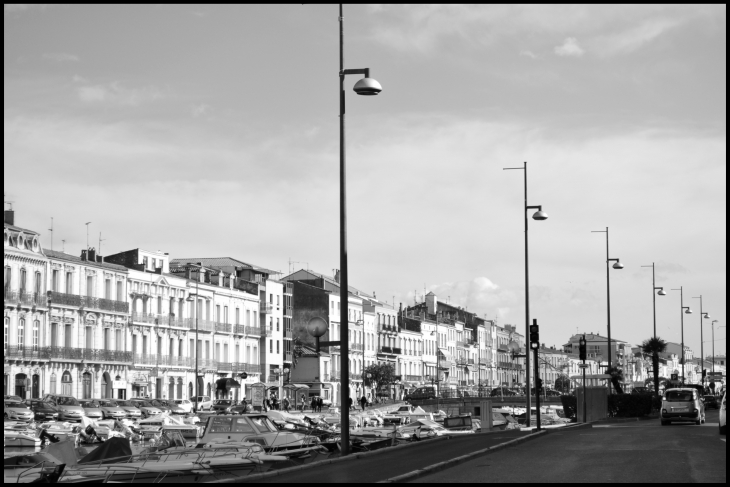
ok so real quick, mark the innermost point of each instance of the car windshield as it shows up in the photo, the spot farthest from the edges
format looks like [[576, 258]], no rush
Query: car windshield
[[44, 405], [67, 401], [89, 404], [223, 402], [108, 404], [125, 404], [145, 404], [679, 396]]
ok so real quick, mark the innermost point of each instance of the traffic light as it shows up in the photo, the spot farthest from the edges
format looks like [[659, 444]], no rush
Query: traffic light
[[534, 335], [539, 384], [582, 353]]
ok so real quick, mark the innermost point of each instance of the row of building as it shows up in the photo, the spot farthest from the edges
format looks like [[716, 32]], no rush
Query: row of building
[[140, 323]]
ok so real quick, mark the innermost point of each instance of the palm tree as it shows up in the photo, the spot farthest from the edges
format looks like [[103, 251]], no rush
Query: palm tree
[[617, 376], [654, 346]]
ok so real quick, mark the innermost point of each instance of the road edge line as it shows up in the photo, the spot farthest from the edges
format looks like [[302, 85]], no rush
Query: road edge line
[[455, 461]]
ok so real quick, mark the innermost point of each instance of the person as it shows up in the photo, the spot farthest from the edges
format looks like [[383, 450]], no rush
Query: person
[[313, 403], [363, 402], [303, 401], [285, 404], [349, 404], [320, 403], [276, 403]]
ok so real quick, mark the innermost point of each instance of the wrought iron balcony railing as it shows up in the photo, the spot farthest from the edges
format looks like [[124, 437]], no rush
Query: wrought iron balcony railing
[[89, 302]]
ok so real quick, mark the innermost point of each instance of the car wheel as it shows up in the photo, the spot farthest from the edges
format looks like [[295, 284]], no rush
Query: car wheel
[[722, 429], [698, 422], [665, 423]]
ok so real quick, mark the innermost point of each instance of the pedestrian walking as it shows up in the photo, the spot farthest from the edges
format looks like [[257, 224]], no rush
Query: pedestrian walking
[[303, 401], [363, 402], [349, 404], [320, 403], [285, 404]]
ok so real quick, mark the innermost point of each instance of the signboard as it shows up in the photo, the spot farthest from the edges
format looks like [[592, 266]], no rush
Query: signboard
[[714, 374], [119, 384], [675, 376], [257, 396]]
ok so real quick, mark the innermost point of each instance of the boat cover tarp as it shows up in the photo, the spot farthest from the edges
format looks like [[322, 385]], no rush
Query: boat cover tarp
[[63, 452], [112, 448]]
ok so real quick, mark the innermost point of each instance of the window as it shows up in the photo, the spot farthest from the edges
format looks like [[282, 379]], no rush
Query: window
[[67, 336], [225, 314], [218, 313], [225, 352], [21, 333], [238, 316], [277, 324], [144, 345], [6, 334], [36, 327], [144, 262], [118, 340], [89, 337], [53, 383], [271, 298], [277, 346], [134, 344], [38, 284], [22, 280], [90, 286], [271, 346], [107, 289], [69, 283], [107, 339]]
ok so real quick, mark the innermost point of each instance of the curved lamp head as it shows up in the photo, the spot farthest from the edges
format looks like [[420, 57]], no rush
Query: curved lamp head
[[190, 298], [540, 215], [662, 292], [317, 326], [706, 316], [688, 312], [367, 86], [618, 265]]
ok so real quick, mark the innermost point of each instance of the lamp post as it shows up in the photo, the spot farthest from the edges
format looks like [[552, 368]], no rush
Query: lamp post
[[713, 342], [195, 311], [684, 310], [538, 215], [366, 86], [661, 292], [702, 343], [617, 265]]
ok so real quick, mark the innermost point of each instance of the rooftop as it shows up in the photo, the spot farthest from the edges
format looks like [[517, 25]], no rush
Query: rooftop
[[55, 254], [221, 262]]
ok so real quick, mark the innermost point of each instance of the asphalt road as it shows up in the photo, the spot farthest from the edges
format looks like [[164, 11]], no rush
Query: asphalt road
[[640, 451], [398, 461]]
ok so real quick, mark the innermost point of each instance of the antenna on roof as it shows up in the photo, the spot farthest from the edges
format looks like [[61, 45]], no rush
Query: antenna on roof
[[63, 245], [100, 241], [51, 230]]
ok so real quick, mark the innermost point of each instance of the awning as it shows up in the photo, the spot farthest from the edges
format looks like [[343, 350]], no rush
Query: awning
[[225, 384], [446, 354], [296, 386]]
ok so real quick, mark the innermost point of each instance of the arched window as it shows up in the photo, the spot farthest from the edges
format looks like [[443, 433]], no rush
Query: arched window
[[66, 384], [86, 379]]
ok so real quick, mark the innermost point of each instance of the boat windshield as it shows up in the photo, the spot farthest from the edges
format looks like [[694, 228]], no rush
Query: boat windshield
[[263, 424]]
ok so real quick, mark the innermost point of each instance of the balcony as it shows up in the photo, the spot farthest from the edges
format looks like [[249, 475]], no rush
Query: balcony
[[460, 344], [445, 364], [14, 352], [289, 288], [273, 378], [203, 325], [266, 308], [223, 327], [89, 302], [355, 376], [148, 318], [25, 298], [388, 329], [269, 332], [357, 347], [224, 366], [240, 367], [288, 311], [89, 354], [503, 348], [288, 334]]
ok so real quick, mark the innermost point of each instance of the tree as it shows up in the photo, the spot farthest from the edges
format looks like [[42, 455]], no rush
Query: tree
[[653, 347], [617, 376], [562, 383], [378, 375]]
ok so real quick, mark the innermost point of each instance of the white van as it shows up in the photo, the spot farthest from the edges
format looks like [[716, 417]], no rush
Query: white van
[[202, 403]]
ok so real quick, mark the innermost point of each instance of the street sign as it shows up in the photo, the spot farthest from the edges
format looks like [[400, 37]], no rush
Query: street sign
[[584, 366], [675, 376]]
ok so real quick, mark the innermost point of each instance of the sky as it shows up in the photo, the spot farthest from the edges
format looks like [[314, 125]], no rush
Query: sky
[[204, 130]]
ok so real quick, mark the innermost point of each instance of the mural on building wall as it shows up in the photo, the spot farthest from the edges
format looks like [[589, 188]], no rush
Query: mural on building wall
[[309, 302]]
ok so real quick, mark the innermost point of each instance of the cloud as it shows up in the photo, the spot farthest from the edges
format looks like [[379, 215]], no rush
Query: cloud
[[115, 94], [634, 38], [61, 57], [199, 110], [569, 47], [478, 295], [529, 54], [79, 79]]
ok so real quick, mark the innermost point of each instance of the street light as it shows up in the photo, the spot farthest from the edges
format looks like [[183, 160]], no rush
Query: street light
[[190, 299], [713, 341], [702, 343], [368, 87], [683, 311], [660, 292], [539, 215], [617, 265]]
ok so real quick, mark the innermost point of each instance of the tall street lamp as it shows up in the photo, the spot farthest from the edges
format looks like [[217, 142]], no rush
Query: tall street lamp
[[190, 299], [538, 215], [366, 86], [702, 343], [661, 292], [713, 342], [684, 310], [617, 265]]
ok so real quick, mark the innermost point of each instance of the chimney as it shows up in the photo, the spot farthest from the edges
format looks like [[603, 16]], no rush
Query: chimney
[[92, 254], [337, 276], [9, 217], [432, 303], [83, 255]]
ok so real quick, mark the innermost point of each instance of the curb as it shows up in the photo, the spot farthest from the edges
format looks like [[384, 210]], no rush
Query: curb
[[455, 461]]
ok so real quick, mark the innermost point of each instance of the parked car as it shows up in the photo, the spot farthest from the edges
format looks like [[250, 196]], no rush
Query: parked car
[[421, 393], [42, 411], [222, 406], [69, 408], [723, 415], [145, 406], [682, 404], [12, 399], [92, 409], [185, 404], [16, 411], [202, 403], [711, 402], [132, 411], [168, 406], [110, 409]]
